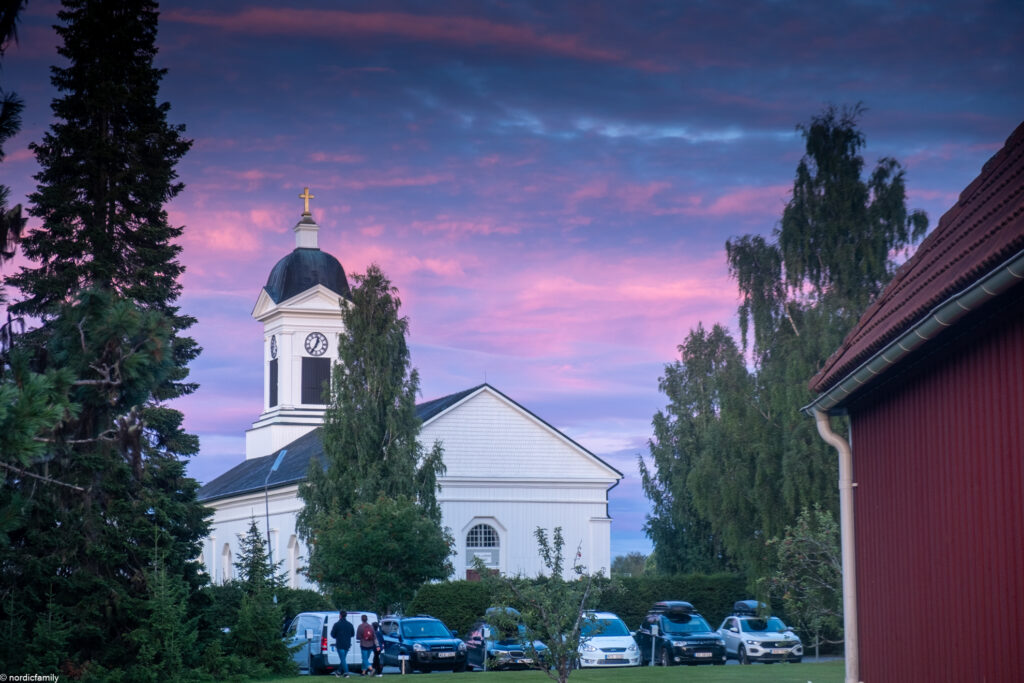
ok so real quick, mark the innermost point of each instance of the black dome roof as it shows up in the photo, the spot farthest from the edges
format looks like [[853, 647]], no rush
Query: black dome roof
[[305, 268]]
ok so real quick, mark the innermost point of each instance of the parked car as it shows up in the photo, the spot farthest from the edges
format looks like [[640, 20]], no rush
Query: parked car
[[422, 642], [673, 632], [492, 647], [606, 641], [750, 638], [310, 634]]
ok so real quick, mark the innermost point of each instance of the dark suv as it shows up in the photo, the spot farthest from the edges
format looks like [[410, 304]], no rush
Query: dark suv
[[422, 643], [674, 633]]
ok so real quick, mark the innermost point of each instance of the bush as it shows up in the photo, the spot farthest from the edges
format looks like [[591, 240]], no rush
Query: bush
[[457, 603], [295, 600]]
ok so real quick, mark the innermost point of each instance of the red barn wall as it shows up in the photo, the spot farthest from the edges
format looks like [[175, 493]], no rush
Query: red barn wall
[[939, 509]]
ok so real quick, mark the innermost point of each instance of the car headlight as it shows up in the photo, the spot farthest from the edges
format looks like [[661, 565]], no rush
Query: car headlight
[[679, 643], [753, 642], [416, 647], [587, 647], [462, 646], [632, 647]]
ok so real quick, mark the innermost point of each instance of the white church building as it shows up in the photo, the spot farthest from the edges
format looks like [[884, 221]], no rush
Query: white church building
[[508, 471]]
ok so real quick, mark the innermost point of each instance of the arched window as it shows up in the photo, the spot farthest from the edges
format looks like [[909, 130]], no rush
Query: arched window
[[293, 562], [482, 536], [482, 542], [225, 564]]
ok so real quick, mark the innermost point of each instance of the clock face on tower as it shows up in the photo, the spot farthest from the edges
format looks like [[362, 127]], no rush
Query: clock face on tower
[[316, 344], [273, 346]]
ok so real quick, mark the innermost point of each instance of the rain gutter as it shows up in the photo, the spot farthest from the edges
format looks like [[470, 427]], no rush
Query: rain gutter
[[942, 316]]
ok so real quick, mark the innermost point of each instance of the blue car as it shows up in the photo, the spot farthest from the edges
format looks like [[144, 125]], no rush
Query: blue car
[[495, 649]]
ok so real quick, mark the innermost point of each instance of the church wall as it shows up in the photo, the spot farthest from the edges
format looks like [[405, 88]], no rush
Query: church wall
[[231, 519], [503, 464], [487, 436], [505, 469]]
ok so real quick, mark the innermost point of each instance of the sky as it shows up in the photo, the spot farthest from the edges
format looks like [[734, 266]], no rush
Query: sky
[[549, 185]]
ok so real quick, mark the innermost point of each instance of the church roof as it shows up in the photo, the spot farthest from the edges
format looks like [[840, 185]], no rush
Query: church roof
[[249, 476], [302, 269]]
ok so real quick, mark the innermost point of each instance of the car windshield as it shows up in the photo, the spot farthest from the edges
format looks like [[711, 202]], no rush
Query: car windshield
[[514, 633], [685, 624], [753, 625], [424, 628], [603, 627]]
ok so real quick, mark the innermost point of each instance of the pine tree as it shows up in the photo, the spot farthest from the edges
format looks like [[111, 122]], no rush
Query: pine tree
[[253, 566], [256, 632], [11, 106], [370, 431], [110, 476], [107, 166]]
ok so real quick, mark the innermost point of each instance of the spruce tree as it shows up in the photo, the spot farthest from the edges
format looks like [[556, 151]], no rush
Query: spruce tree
[[370, 432], [110, 478], [256, 632], [11, 220]]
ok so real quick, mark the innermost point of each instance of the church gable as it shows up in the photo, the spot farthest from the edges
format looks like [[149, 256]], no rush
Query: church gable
[[486, 435], [318, 300]]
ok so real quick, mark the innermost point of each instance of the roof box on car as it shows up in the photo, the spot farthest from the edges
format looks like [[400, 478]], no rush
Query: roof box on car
[[749, 608], [673, 607]]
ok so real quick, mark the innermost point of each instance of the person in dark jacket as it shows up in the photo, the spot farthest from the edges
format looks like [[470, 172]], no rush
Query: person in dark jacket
[[378, 650], [343, 633]]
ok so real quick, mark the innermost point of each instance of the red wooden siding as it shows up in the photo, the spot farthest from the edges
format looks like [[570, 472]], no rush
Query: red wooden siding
[[939, 466]]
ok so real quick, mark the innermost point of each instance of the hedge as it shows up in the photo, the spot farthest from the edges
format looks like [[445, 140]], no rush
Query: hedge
[[460, 603], [712, 595]]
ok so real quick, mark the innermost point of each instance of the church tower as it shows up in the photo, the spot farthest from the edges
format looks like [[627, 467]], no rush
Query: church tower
[[300, 311]]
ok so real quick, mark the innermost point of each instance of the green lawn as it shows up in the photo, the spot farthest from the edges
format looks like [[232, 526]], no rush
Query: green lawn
[[824, 672]]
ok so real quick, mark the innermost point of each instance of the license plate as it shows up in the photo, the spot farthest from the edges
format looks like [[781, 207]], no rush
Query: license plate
[[779, 652], [615, 656], [522, 661], [445, 654], [701, 654]]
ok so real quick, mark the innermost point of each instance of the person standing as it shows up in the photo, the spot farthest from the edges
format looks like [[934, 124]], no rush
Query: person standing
[[378, 650], [367, 642], [342, 632]]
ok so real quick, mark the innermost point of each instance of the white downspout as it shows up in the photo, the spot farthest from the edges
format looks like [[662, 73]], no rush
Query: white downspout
[[852, 649]]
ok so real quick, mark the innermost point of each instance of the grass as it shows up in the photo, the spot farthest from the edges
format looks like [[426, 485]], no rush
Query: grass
[[823, 672]]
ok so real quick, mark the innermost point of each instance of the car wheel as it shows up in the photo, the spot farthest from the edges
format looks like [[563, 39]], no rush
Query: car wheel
[[666, 660], [460, 668], [741, 655]]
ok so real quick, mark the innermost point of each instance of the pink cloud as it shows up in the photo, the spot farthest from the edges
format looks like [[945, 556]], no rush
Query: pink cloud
[[440, 29], [21, 154], [764, 200], [337, 158], [398, 181], [453, 227], [594, 189], [638, 197]]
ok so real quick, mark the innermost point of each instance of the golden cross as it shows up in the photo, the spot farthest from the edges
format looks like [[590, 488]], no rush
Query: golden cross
[[306, 196]]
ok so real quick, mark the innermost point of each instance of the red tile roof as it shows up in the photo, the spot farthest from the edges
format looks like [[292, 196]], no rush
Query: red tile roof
[[983, 229]]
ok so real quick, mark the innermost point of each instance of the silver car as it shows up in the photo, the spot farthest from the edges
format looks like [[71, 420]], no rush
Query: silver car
[[760, 639]]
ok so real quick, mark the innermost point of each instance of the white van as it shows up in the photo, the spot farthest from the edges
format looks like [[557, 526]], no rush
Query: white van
[[310, 635]]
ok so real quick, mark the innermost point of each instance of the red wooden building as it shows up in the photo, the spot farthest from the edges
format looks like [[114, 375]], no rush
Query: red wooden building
[[932, 379]]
